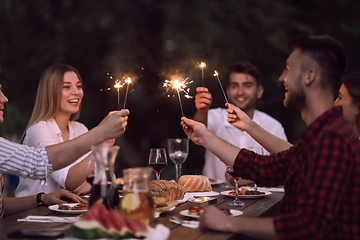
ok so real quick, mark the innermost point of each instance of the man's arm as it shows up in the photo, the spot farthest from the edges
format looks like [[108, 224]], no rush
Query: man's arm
[[198, 133], [63, 154], [203, 100], [259, 228], [240, 120]]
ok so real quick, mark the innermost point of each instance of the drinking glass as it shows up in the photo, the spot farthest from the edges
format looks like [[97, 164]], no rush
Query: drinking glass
[[178, 149], [258, 150], [157, 160], [236, 202], [90, 171]]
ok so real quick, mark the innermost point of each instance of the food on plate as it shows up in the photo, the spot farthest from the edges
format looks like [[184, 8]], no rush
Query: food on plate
[[80, 206], [195, 183], [99, 222], [165, 190], [213, 181], [246, 191], [192, 210]]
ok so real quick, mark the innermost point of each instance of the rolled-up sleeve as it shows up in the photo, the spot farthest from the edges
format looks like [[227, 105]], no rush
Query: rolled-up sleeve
[[24, 161]]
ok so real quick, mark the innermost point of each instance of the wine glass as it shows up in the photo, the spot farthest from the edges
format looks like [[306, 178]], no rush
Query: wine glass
[[258, 150], [236, 202], [157, 160], [90, 170], [178, 149]]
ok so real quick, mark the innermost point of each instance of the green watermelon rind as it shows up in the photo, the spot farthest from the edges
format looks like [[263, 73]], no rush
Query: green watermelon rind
[[87, 230]]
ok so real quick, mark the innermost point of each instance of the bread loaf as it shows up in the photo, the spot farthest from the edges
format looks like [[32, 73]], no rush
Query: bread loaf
[[195, 183], [165, 189]]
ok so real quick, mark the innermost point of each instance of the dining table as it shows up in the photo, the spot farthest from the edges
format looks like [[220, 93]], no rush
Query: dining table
[[265, 206]]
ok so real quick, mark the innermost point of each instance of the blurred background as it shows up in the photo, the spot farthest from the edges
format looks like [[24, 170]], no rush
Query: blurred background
[[150, 40]]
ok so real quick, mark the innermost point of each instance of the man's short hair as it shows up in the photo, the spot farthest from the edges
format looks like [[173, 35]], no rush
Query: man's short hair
[[246, 68], [329, 54]]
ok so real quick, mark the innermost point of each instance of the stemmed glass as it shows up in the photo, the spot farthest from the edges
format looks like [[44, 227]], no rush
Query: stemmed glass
[[258, 150], [90, 171], [178, 149], [157, 160], [236, 202]]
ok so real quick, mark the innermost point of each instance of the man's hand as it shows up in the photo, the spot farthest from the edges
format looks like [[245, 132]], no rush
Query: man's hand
[[114, 124], [196, 131], [54, 197], [203, 99], [214, 219], [237, 117]]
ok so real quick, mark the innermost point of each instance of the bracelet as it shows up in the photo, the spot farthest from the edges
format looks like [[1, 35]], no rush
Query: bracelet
[[38, 198]]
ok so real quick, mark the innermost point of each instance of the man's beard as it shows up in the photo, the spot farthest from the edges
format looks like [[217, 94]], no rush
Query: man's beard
[[296, 100]]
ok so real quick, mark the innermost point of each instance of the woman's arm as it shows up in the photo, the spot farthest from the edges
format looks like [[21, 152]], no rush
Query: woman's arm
[[240, 120]]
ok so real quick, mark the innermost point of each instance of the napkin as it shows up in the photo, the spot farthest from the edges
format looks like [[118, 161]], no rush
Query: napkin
[[160, 232], [271, 189], [45, 219], [185, 223]]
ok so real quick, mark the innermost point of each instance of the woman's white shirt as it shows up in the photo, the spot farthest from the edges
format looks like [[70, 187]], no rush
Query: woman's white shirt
[[43, 134]]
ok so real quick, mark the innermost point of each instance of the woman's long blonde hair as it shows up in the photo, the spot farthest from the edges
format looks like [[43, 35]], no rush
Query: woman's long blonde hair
[[49, 93]]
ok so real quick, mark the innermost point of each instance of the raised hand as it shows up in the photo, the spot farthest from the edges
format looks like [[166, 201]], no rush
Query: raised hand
[[237, 118], [114, 124], [203, 99]]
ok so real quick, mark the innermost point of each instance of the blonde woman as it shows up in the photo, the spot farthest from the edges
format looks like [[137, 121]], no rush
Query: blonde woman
[[53, 120]]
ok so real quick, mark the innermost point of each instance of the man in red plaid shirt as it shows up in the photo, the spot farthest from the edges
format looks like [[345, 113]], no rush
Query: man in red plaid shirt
[[321, 173]]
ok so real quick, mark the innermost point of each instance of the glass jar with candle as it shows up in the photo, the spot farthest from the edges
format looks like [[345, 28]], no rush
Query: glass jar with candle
[[137, 201]]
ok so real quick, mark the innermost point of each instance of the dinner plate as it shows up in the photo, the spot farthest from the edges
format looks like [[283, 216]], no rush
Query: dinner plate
[[157, 213], [215, 181], [204, 194], [56, 208], [226, 193], [233, 213]]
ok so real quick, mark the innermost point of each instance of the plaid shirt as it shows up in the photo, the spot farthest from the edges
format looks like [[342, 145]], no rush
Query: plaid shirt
[[321, 174]]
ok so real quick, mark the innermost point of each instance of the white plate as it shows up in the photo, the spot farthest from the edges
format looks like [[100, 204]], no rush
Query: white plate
[[157, 214], [226, 193], [233, 213], [204, 194], [56, 208], [215, 181]]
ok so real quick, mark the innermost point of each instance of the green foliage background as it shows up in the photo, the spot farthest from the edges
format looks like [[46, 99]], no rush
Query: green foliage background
[[151, 39]]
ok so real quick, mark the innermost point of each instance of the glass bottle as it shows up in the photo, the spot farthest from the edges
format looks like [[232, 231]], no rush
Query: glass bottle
[[137, 201], [105, 155]]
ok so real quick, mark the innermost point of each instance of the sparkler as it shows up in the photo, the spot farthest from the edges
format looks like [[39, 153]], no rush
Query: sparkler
[[216, 74], [180, 86], [118, 85], [202, 65], [127, 81]]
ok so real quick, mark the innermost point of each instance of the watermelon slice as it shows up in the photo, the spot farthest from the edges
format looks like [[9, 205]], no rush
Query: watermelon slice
[[99, 222]]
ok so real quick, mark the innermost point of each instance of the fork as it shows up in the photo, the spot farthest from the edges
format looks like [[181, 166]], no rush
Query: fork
[[181, 222]]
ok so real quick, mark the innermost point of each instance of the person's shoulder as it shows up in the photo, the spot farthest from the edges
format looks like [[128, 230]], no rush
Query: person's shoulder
[[39, 125]]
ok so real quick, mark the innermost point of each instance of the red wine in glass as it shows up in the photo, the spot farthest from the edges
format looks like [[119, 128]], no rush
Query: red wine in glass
[[90, 179], [158, 167]]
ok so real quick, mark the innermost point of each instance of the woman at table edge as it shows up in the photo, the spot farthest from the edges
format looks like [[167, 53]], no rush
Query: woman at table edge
[[348, 97], [53, 120], [17, 159]]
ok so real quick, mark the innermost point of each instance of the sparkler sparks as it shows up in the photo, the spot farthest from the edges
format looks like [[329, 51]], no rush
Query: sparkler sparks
[[216, 74], [180, 86]]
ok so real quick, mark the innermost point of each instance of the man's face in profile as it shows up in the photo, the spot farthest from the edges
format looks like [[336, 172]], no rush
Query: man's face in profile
[[3, 100]]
